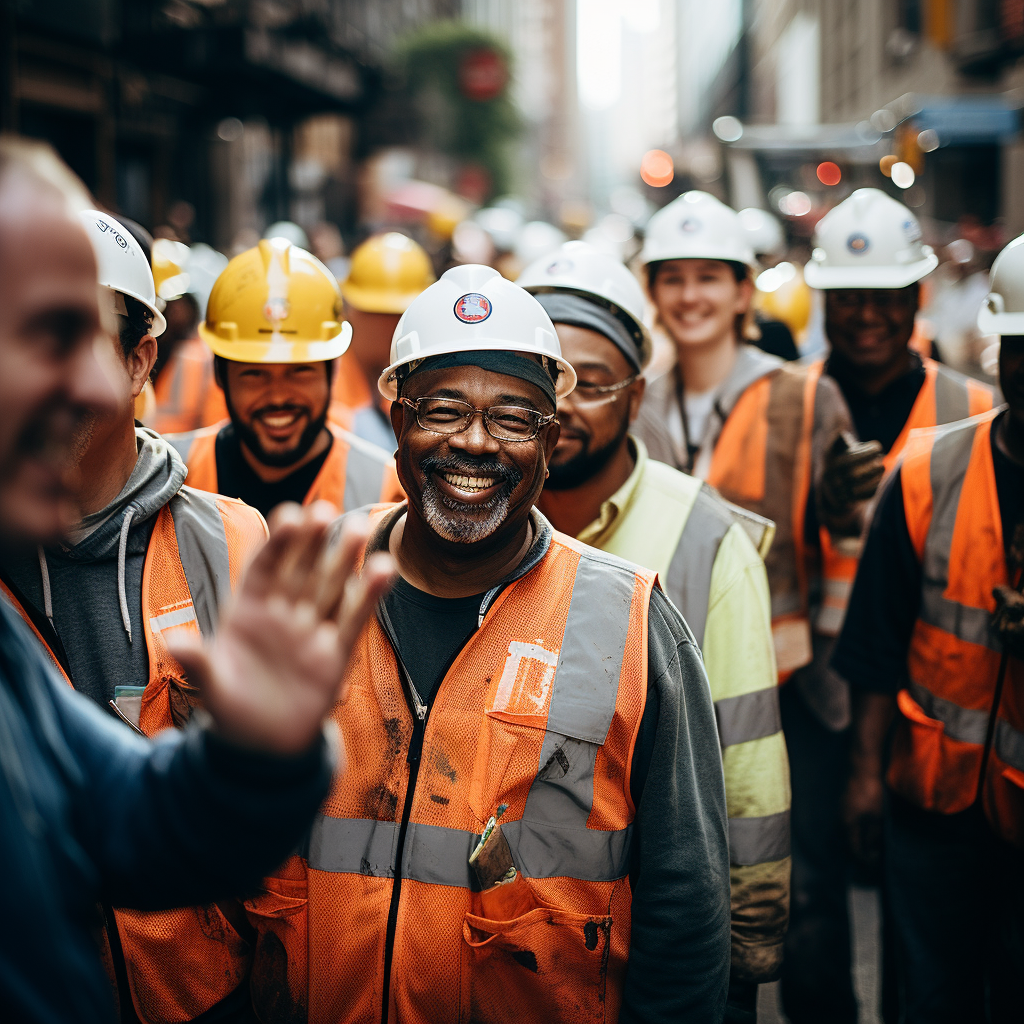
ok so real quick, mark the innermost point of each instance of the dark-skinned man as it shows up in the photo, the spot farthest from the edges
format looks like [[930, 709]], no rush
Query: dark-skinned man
[[932, 646], [538, 832], [89, 812], [868, 258], [388, 271], [274, 324], [604, 490], [147, 555]]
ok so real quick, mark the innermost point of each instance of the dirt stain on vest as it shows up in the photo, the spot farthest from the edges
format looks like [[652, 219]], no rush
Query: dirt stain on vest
[[527, 958], [271, 995], [439, 759], [380, 803]]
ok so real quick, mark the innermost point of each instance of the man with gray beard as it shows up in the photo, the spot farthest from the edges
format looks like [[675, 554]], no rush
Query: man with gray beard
[[538, 832]]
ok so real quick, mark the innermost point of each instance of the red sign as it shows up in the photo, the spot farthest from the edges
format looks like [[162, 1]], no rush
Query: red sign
[[482, 75]]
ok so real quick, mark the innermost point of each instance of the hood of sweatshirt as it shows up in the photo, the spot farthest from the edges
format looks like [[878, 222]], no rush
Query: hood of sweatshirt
[[158, 475]]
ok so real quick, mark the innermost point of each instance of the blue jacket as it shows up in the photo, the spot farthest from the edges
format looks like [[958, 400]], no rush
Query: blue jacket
[[89, 813]]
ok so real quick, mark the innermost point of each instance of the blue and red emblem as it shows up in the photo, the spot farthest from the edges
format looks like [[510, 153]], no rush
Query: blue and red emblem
[[473, 308], [858, 244]]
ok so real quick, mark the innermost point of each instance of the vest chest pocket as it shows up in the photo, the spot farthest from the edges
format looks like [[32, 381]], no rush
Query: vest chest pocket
[[546, 964]]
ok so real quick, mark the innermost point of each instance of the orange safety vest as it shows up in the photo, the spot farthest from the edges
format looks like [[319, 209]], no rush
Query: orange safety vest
[[952, 513], [538, 714], [187, 394], [767, 436], [945, 396], [182, 962], [354, 474], [355, 409]]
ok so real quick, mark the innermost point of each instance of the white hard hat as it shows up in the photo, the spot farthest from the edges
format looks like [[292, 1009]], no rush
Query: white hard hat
[[1003, 310], [536, 239], [698, 226], [122, 265], [473, 307], [580, 269], [290, 230], [764, 232], [502, 224], [868, 241]]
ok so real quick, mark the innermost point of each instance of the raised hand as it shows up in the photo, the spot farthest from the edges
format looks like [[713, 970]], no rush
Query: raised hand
[[276, 664]]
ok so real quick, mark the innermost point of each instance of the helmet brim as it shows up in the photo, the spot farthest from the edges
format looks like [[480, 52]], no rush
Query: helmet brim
[[376, 300], [387, 383], [1008, 324], [278, 348], [159, 321], [824, 278]]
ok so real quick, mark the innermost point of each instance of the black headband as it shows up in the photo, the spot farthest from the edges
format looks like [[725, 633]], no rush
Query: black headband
[[513, 364], [567, 308]]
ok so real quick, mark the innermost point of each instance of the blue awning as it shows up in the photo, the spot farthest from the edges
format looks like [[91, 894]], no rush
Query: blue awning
[[967, 120]]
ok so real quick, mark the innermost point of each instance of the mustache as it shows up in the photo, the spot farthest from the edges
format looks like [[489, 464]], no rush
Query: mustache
[[508, 475], [271, 410]]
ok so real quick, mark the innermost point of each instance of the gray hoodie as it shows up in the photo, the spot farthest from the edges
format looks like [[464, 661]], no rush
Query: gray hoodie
[[90, 587]]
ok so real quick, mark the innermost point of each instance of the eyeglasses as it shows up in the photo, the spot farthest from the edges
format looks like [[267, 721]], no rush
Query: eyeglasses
[[589, 394], [502, 422]]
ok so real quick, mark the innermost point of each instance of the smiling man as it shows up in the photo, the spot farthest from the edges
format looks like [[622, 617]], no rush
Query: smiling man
[[274, 324], [538, 832]]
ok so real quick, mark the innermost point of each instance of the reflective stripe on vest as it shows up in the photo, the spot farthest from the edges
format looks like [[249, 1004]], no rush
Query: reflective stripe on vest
[[953, 518], [538, 712], [945, 397], [762, 462], [355, 473]]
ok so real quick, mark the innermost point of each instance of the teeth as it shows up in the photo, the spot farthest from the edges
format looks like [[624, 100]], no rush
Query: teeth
[[469, 483], [279, 421]]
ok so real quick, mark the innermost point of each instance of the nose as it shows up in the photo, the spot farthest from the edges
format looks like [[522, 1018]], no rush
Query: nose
[[88, 387], [474, 439]]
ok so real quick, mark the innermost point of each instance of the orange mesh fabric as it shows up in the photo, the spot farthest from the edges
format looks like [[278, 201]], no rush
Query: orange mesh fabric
[[187, 395], [458, 954]]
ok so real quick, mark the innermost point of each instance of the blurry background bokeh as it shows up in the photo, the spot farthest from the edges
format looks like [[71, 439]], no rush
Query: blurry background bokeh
[[490, 130]]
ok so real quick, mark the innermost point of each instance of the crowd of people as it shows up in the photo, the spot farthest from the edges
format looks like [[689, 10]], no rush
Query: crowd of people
[[565, 684]]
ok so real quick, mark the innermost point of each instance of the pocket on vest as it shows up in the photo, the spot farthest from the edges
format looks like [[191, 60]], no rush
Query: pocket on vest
[[279, 975], [928, 767], [546, 964]]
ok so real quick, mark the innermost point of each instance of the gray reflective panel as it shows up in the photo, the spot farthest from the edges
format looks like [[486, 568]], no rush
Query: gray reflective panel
[[688, 580], [964, 724], [952, 401], [758, 840], [1009, 744], [364, 477], [181, 443], [971, 624], [786, 604], [438, 855], [357, 846], [203, 549], [750, 716], [547, 851]]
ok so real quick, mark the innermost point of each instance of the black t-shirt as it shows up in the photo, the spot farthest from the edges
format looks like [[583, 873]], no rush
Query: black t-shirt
[[872, 648], [879, 417], [236, 479]]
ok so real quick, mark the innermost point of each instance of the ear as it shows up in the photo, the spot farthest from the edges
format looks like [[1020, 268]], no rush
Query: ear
[[397, 413], [746, 294], [549, 438], [636, 397], [140, 363]]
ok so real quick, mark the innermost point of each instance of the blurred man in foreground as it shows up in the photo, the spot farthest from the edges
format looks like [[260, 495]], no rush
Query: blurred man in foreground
[[604, 490], [87, 811]]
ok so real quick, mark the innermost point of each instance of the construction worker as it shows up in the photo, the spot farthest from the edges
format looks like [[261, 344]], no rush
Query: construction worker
[[932, 648], [146, 551], [388, 271], [534, 729], [274, 325], [868, 258], [89, 812], [187, 395], [761, 431], [604, 490]]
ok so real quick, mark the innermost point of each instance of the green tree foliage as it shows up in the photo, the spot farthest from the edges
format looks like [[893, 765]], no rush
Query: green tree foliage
[[473, 130]]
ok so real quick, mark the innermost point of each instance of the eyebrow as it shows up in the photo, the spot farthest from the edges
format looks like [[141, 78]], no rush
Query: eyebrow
[[460, 396]]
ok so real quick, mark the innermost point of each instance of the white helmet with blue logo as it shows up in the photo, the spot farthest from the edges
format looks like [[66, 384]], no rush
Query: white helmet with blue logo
[[1003, 310], [469, 308], [868, 241], [696, 225]]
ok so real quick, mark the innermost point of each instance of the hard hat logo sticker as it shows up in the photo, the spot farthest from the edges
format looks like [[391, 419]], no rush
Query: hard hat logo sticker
[[858, 245], [690, 225], [473, 308], [913, 230], [560, 267], [276, 309]]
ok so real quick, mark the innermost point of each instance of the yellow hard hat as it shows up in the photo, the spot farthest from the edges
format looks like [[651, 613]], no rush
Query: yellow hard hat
[[169, 275], [782, 294], [275, 304], [387, 273]]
